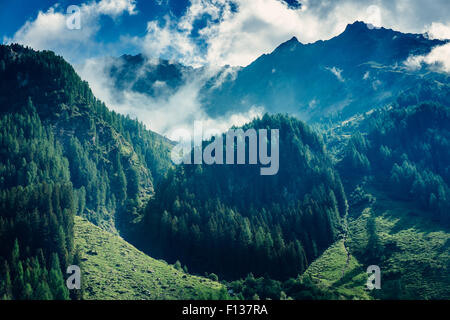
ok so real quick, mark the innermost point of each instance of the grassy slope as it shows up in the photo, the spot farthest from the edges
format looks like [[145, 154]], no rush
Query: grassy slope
[[415, 255], [332, 270], [415, 251], [114, 269]]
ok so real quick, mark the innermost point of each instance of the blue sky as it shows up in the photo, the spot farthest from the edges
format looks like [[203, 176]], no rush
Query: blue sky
[[199, 32], [14, 14]]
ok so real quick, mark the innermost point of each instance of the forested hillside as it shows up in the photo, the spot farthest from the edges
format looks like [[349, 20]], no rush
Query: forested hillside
[[406, 151], [230, 220], [114, 160], [62, 153], [395, 166], [37, 207]]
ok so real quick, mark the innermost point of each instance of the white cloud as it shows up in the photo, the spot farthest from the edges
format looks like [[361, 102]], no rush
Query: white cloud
[[164, 113], [227, 73], [337, 72], [438, 31], [49, 31], [438, 59], [237, 37], [163, 41], [115, 7]]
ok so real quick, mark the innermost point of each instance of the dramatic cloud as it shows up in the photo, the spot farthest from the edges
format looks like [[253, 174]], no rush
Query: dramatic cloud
[[164, 113], [214, 33], [237, 32]]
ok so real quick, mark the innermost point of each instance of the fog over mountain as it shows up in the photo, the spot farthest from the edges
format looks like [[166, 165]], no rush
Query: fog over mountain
[[362, 68]]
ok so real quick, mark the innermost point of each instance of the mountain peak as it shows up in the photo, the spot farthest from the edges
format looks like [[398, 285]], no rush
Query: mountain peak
[[291, 43], [357, 26], [360, 28]]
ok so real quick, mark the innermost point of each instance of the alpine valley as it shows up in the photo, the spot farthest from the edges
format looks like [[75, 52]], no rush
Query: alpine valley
[[364, 178]]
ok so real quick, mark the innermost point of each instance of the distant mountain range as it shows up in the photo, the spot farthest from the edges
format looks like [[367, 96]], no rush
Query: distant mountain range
[[359, 69]]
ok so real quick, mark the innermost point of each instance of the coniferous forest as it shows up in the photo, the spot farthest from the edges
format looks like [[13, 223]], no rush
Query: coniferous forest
[[355, 187], [231, 220], [45, 122]]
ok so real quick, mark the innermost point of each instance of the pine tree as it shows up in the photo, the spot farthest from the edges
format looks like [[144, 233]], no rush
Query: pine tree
[[56, 281], [5, 283], [43, 292], [15, 255], [18, 282]]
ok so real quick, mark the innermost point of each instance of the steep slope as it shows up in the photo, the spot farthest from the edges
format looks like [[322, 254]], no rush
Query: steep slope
[[339, 272], [412, 252], [406, 151], [395, 167], [112, 269], [230, 220], [62, 152], [360, 69], [114, 160], [37, 206]]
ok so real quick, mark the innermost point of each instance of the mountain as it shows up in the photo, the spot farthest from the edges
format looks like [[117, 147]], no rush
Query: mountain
[[154, 78], [368, 187], [114, 160], [359, 69], [62, 153], [231, 220]]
